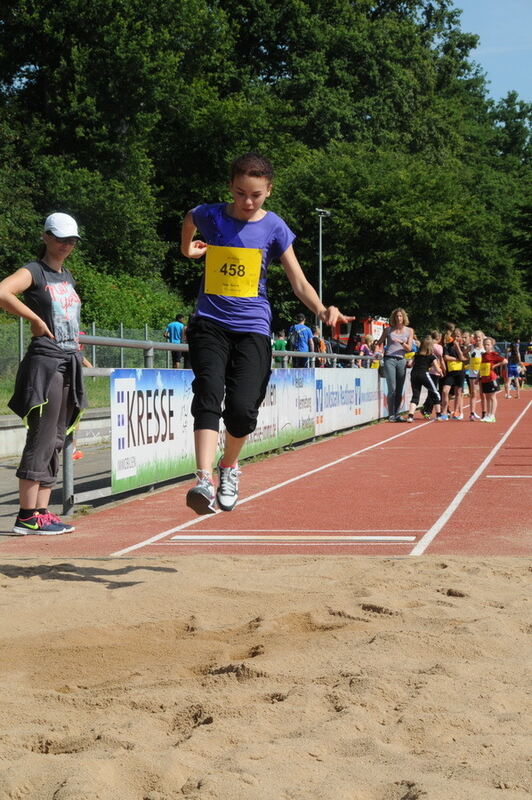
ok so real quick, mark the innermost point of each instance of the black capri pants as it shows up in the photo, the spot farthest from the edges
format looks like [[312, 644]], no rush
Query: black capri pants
[[420, 379], [231, 364]]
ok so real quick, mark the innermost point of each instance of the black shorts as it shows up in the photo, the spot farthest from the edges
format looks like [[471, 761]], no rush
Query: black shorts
[[455, 379], [177, 357], [231, 374], [490, 386]]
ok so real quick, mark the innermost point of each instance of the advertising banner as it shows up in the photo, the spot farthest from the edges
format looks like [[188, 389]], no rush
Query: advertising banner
[[287, 413], [151, 426], [345, 397], [152, 436]]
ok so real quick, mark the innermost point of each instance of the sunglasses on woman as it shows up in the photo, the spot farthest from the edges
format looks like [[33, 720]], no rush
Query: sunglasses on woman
[[63, 240]]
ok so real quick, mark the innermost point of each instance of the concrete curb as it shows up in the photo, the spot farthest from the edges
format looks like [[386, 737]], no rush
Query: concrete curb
[[95, 428]]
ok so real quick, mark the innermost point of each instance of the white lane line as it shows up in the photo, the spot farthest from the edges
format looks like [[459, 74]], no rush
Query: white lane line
[[431, 534], [508, 476], [336, 531], [299, 477], [171, 543], [222, 537]]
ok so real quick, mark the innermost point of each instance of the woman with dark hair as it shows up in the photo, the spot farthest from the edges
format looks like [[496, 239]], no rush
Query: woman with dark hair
[[49, 386], [397, 339]]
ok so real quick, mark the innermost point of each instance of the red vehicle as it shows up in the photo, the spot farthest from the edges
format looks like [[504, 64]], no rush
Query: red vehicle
[[345, 335]]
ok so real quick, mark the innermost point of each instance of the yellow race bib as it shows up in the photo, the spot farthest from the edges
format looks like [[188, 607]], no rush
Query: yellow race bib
[[474, 363], [375, 364], [454, 366], [485, 370], [232, 271]]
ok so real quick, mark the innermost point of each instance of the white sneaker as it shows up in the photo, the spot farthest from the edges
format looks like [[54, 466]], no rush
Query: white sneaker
[[201, 497], [227, 494], [474, 417]]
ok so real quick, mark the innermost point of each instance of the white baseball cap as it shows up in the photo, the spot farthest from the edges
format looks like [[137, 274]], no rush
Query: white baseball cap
[[61, 225]]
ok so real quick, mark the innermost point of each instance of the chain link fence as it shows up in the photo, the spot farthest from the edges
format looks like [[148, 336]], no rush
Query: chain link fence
[[15, 336]]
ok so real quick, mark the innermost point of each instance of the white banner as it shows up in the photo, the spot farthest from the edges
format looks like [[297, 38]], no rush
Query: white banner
[[152, 427]]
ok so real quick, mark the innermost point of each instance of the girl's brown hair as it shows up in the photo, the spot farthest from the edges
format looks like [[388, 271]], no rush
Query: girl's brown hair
[[252, 164], [393, 317], [425, 348]]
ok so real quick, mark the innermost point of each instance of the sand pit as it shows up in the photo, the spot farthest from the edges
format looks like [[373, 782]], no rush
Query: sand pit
[[275, 678]]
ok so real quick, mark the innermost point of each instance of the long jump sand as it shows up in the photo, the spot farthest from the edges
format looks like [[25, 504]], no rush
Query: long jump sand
[[265, 678]]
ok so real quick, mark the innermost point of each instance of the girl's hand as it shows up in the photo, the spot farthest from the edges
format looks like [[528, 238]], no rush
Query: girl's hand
[[332, 315], [196, 249], [40, 328]]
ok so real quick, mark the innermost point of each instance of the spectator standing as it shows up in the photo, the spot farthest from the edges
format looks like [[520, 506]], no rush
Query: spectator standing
[[376, 353], [464, 340], [420, 377], [513, 371], [365, 350], [473, 375], [397, 340], [229, 335], [319, 347], [491, 361], [454, 379], [175, 334], [48, 392], [279, 346], [436, 371], [300, 339]]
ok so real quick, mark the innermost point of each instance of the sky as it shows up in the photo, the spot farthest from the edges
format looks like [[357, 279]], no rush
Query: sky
[[505, 49]]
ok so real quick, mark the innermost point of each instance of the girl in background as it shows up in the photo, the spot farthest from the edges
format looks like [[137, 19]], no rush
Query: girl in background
[[436, 370], [513, 371], [473, 375], [491, 361], [424, 359], [454, 379]]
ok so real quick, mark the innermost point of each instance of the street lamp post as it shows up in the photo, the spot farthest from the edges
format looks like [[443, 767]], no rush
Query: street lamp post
[[321, 212]]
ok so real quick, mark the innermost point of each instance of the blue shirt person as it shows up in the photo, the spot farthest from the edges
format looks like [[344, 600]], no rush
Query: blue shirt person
[[174, 334], [300, 339]]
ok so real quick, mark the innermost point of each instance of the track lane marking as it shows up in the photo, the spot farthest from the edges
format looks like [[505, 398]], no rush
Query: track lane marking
[[508, 476], [314, 530], [222, 537], [334, 545], [431, 534], [301, 476]]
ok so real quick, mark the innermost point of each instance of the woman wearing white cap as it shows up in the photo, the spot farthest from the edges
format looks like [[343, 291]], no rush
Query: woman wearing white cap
[[49, 386]]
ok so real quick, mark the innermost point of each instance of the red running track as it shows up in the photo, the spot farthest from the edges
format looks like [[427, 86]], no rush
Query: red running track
[[453, 488]]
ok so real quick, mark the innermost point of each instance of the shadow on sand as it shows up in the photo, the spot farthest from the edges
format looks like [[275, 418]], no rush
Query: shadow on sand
[[74, 572]]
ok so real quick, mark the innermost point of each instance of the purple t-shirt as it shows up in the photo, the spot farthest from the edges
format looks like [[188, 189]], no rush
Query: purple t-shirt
[[269, 234]]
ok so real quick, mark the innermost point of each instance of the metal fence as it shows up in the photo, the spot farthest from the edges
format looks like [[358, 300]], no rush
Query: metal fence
[[128, 347], [15, 336], [131, 348]]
